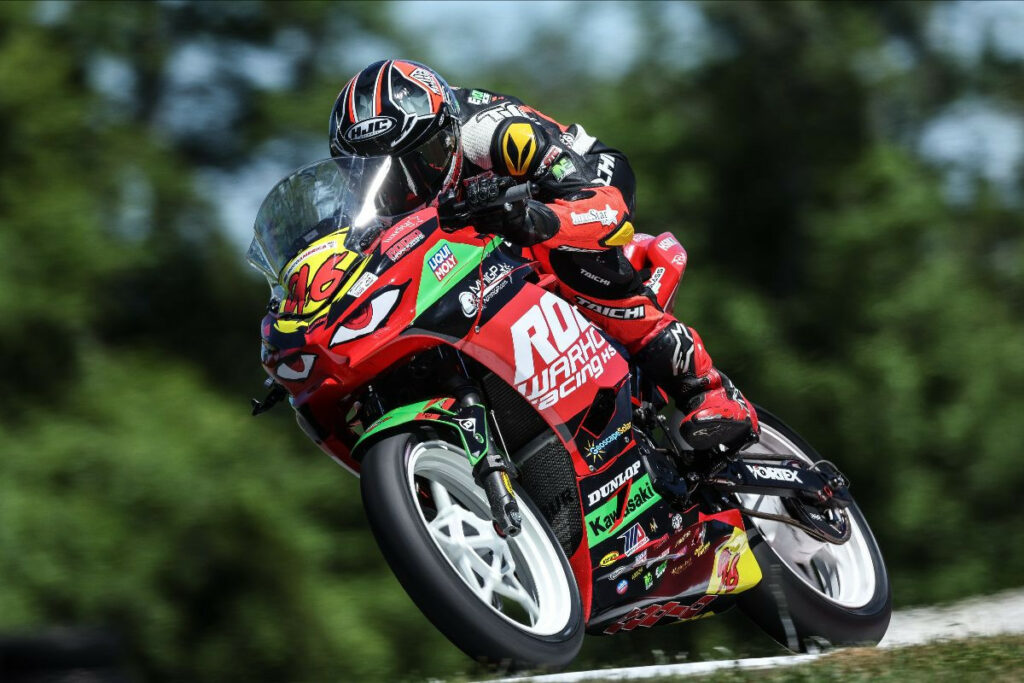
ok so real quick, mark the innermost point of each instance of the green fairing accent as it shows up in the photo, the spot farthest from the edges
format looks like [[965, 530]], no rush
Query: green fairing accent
[[412, 413], [468, 257], [600, 521]]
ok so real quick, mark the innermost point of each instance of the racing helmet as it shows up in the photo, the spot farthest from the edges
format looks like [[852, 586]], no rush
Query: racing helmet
[[406, 111]]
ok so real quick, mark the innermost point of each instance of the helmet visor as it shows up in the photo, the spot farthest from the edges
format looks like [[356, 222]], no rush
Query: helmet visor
[[418, 176]]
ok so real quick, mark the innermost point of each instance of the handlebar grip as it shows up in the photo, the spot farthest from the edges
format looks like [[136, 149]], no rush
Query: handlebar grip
[[518, 193]]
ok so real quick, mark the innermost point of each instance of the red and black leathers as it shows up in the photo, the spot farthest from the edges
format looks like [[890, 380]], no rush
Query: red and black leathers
[[587, 190]]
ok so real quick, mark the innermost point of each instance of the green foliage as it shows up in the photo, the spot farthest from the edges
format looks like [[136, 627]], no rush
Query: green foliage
[[217, 548], [830, 274]]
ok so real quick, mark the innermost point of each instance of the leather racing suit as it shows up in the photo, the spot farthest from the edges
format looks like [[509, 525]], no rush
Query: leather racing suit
[[590, 189]]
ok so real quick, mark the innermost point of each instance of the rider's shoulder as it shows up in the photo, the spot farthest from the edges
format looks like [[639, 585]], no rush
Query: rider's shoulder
[[475, 100]]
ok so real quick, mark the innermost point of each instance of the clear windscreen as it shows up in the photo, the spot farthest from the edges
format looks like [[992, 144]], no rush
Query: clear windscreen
[[366, 194]]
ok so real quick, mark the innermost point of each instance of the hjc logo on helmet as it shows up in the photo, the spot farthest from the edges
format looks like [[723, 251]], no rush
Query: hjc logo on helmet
[[518, 146], [370, 128]]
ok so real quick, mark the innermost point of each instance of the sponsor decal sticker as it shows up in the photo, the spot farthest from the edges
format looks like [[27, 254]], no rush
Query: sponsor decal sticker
[[651, 615], [633, 539], [370, 128], [633, 499], [648, 581], [478, 97], [494, 281], [660, 569], [427, 79], [666, 243], [683, 566], [563, 168], [404, 245], [365, 281], [297, 261], [775, 473], [655, 282], [571, 350], [614, 484], [610, 558], [605, 169], [614, 312], [554, 151], [622, 587], [596, 450], [606, 216], [677, 521], [397, 231], [442, 261]]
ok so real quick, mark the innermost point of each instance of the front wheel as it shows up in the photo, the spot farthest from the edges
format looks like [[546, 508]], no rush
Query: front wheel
[[813, 593], [506, 601]]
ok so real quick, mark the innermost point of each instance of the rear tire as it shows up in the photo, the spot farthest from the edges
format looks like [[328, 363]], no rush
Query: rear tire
[[442, 565], [836, 596]]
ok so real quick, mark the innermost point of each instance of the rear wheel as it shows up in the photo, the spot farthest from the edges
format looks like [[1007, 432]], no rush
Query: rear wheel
[[507, 601], [813, 593]]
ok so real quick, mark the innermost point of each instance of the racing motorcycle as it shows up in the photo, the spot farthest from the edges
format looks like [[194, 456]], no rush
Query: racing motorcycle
[[519, 474]]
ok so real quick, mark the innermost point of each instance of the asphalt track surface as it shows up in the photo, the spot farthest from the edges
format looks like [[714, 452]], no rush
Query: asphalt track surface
[[984, 616]]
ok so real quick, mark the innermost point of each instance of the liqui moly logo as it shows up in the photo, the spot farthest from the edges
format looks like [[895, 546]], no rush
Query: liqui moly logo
[[570, 349], [442, 261]]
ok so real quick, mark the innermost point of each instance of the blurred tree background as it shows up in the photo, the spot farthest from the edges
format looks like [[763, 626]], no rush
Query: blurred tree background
[[847, 178]]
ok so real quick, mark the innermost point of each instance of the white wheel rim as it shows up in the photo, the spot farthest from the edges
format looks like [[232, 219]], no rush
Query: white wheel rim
[[520, 579], [842, 574]]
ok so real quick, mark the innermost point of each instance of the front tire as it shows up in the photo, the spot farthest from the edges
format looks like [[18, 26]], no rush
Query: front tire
[[509, 602], [813, 594]]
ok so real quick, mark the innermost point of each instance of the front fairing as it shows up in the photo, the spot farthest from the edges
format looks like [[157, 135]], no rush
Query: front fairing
[[348, 307]]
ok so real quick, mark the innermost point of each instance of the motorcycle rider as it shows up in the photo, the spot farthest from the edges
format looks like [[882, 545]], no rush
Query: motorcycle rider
[[577, 223]]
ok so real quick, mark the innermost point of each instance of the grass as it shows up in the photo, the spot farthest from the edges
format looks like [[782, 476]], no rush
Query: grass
[[993, 660]]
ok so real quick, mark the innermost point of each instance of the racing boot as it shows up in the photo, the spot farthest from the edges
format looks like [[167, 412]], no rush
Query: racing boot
[[717, 418]]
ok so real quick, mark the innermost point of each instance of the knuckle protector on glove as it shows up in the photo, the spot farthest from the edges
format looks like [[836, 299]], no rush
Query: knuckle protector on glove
[[517, 147]]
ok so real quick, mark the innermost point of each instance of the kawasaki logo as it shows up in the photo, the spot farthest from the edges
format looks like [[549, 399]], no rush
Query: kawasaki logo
[[615, 483], [603, 523], [776, 473]]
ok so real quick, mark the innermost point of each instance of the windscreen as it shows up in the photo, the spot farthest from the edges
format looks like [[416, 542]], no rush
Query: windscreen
[[356, 192]]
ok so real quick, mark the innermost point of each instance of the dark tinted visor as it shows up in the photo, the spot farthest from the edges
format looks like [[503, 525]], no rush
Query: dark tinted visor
[[417, 176]]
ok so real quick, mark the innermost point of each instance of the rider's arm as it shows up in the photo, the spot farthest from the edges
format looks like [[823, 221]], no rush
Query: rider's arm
[[574, 206]]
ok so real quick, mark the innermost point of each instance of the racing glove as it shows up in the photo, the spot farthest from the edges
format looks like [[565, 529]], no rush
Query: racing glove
[[524, 223]]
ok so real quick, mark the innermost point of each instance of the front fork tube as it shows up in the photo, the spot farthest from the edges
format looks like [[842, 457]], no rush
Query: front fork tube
[[490, 469]]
